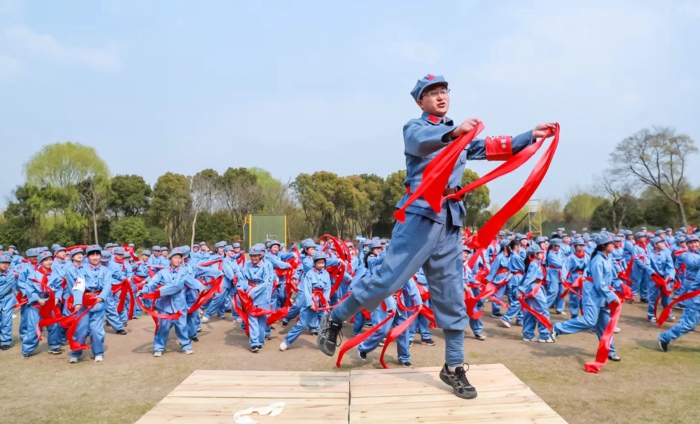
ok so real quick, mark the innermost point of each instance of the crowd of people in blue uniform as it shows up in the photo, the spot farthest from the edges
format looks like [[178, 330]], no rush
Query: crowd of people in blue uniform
[[80, 289]]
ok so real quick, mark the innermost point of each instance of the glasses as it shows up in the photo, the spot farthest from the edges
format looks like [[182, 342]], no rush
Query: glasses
[[434, 93]]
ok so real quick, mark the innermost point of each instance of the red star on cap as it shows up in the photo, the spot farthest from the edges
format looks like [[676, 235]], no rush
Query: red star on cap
[[430, 77]]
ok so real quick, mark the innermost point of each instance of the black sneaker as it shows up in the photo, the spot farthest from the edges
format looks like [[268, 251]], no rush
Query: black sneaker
[[644, 300], [663, 345], [314, 333], [267, 337], [363, 355], [195, 339], [121, 332], [329, 335], [427, 342], [25, 356], [255, 349], [57, 351], [480, 337], [614, 358], [5, 347], [284, 323], [496, 314], [406, 364], [458, 381]]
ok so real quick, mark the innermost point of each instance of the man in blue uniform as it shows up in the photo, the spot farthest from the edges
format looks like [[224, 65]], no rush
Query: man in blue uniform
[[428, 239]]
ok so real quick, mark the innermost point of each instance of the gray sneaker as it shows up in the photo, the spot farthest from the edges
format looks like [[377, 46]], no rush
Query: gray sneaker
[[329, 336], [458, 380]]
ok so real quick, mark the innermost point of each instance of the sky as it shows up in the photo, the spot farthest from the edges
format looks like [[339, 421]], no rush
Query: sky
[[304, 86]]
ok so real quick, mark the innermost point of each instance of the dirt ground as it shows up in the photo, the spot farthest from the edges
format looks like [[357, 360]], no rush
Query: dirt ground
[[647, 386]]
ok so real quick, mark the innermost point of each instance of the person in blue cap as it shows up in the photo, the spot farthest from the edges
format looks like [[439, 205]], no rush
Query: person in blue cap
[[193, 288], [277, 260], [596, 296], [8, 287], [37, 289], [231, 272], [154, 260], [499, 275], [256, 280], [688, 263], [25, 271], [641, 271], [92, 286], [428, 239], [421, 324], [469, 283], [662, 275], [516, 267], [556, 270], [314, 293], [577, 267], [170, 283], [535, 275]]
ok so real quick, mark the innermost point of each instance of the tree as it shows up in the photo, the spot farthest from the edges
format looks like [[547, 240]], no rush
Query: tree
[[64, 165], [313, 193], [240, 193], [128, 195], [476, 200], [606, 213], [93, 199], [616, 189], [171, 205], [369, 201], [656, 158], [392, 192], [130, 229], [35, 211], [579, 209], [204, 188]]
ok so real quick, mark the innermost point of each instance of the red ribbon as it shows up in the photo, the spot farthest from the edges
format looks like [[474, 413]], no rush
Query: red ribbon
[[601, 357], [526, 307], [125, 287], [437, 174], [205, 295], [663, 286], [669, 309], [573, 288], [152, 311], [361, 338]]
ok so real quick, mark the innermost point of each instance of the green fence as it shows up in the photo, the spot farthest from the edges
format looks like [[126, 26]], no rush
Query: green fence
[[259, 228]]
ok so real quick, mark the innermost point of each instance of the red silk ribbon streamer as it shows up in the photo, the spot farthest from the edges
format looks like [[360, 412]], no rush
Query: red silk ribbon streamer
[[337, 273], [669, 309], [207, 294], [152, 311], [342, 250], [526, 307], [491, 228], [361, 338], [568, 287], [437, 174], [398, 330], [125, 287], [662, 284], [601, 357], [247, 309]]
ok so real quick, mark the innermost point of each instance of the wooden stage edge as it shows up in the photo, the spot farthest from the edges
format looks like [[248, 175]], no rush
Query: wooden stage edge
[[363, 396]]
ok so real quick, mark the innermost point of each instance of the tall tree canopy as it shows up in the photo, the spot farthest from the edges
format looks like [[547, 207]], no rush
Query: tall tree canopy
[[64, 165]]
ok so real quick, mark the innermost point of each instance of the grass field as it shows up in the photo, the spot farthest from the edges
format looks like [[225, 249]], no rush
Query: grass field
[[647, 386]]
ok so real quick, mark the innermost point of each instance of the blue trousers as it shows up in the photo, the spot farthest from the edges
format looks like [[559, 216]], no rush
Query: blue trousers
[[574, 305], [258, 328], [7, 305], [307, 318], [421, 325], [495, 307], [689, 320], [23, 321], [419, 242], [594, 317], [538, 303], [31, 338], [640, 284], [475, 324], [359, 323], [554, 290], [218, 304], [514, 308], [160, 339], [113, 317], [280, 295], [404, 354], [93, 325], [654, 293]]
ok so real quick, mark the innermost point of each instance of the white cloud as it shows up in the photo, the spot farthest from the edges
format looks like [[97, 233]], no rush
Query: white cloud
[[44, 45], [9, 67]]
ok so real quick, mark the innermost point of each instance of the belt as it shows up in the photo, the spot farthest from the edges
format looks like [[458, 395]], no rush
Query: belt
[[92, 291], [44, 296], [446, 192]]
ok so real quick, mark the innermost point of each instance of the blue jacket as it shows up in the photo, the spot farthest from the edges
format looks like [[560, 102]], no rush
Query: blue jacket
[[31, 288], [598, 292], [262, 275], [97, 279], [423, 140], [315, 280]]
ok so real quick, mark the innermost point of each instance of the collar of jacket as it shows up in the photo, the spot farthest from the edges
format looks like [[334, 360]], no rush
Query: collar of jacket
[[435, 120]]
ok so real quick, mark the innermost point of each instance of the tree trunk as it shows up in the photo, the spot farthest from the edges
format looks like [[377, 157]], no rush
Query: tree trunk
[[614, 217], [194, 223], [681, 213], [94, 227]]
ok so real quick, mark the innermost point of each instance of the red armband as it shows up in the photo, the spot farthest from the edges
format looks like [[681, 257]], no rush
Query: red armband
[[498, 148]]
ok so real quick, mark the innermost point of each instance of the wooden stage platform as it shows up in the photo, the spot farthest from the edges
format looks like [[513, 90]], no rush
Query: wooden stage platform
[[362, 396]]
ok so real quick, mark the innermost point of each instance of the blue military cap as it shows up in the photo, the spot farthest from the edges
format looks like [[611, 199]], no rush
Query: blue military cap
[[131, 245], [383, 242], [202, 243], [220, 244], [76, 251], [43, 256], [33, 252], [534, 249], [318, 256], [579, 242], [119, 251], [228, 248], [236, 245], [465, 248], [155, 248], [92, 249], [374, 245], [586, 238], [2, 247], [656, 240], [691, 238], [540, 239], [617, 239], [308, 243], [359, 238], [502, 233], [658, 232], [256, 250], [106, 255], [643, 228], [603, 239], [58, 248], [555, 242], [682, 239], [682, 229], [669, 230], [164, 248], [54, 246], [274, 243], [175, 251], [520, 237], [425, 82], [350, 245], [504, 242], [5, 259], [146, 252], [639, 234], [12, 246]]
